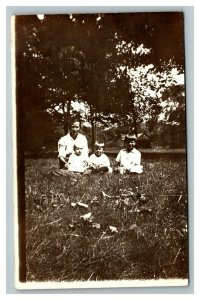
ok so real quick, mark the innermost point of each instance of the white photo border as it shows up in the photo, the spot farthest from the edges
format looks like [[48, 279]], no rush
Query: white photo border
[[189, 42]]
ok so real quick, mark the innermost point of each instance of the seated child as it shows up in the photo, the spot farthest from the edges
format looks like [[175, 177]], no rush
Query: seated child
[[78, 161], [99, 161], [129, 159]]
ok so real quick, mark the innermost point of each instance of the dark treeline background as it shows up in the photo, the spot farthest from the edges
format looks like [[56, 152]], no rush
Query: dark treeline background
[[118, 67]]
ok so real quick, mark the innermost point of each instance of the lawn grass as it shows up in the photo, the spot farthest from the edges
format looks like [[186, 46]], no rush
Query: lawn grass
[[127, 236]]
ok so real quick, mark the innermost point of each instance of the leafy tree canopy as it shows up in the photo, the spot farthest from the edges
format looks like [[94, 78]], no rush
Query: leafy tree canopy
[[118, 64]]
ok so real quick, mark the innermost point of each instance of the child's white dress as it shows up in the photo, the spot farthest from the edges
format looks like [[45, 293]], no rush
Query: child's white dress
[[100, 161], [78, 163], [130, 161]]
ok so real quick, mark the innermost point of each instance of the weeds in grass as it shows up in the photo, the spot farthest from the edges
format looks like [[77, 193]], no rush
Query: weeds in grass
[[106, 227]]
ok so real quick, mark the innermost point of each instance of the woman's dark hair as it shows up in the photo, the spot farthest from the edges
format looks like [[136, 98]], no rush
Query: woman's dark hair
[[129, 138], [73, 120]]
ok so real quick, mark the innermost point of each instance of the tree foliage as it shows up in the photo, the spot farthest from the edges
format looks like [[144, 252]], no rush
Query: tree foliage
[[94, 58]]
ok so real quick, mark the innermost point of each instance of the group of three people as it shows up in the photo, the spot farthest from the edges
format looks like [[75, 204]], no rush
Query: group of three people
[[74, 155]]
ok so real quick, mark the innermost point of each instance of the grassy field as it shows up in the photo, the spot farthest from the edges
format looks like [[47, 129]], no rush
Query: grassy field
[[102, 227]]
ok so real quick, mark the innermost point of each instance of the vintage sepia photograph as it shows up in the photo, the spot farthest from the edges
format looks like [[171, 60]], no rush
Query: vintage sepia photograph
[[101, 169]]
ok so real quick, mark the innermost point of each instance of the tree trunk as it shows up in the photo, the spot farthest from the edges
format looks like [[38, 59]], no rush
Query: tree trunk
[[134, 116], [66, 116], [93, 133], [135, 123], [93, 127]]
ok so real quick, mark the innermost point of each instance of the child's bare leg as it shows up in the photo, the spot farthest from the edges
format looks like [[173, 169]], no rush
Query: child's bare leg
[[62, 172], [88, 171]]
